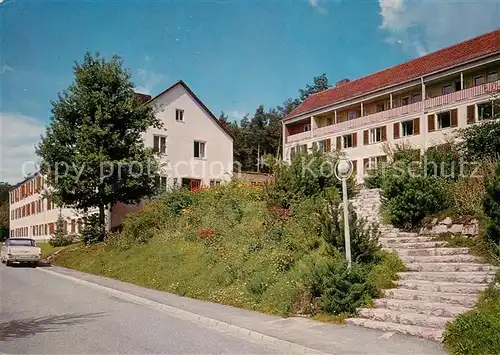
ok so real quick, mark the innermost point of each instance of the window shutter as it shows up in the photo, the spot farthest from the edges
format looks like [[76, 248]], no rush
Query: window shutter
[[354, 166], [365, 165], [454, 117], [471, 114], [354, 140], [384, 133], [292, 152], [328, 145], [156, 144], [416, 126], [365, 137], [431, 122], [339, 143], [396, 130], [196, 150]]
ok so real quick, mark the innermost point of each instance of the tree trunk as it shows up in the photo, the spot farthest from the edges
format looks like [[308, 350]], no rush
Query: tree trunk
[[102, 222]]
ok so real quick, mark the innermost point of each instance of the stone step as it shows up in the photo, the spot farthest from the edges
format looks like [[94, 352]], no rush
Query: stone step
[[429, 251], [418, 245], [398, 234], [448, 267], [476, 277], [427, 333], [388, 315], [458, 299], [458, 258], [397, 240], [421, 307], [448, 287]]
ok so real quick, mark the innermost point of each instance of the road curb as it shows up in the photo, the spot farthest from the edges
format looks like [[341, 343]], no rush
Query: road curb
[[192, 317]]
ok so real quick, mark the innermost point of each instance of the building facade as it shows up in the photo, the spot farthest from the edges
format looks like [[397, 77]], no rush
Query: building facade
[[420, 102], [194, 150], [33, 214]]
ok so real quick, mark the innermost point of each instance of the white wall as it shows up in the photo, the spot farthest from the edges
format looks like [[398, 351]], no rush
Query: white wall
[[197, 125]]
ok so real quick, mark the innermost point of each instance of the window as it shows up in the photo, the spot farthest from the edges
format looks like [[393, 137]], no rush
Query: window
[[351, 115], [321, 146], [458, 86], [447, 89], [493, 76], [444, 119], [380, 107], [160, 144], [307, 127], [485, 111], [478, 80], [405, 101], [330, 121], [214, 182], [416, 97], [407, 128], [348, 141], [374, 163], [179, 115], [199, 149], [162, 181], [376, 135]]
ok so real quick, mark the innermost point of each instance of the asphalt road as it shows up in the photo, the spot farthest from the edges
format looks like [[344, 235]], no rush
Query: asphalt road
[[42, 313]]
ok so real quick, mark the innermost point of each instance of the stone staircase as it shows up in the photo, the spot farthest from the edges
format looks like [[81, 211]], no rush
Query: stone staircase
[[439, 282]]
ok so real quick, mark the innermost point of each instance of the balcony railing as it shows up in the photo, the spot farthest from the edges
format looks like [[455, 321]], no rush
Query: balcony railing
[[299, 137], [417, 107]]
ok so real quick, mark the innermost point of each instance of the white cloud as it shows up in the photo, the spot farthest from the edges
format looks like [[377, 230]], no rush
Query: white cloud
[[317, 5], [19, 135], [5, 68], [236, 115], [422, 26], [147, 80]]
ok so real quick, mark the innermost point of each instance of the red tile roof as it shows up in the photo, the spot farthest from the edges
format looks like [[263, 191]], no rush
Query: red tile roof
[[460, 53]]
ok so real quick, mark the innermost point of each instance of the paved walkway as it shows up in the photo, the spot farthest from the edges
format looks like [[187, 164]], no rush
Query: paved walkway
[[308, 335]]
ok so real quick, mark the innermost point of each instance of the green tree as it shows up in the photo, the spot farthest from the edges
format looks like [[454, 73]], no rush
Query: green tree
[[320, 83], [4, 210], [93, 153], [492, 206], [483, 141]]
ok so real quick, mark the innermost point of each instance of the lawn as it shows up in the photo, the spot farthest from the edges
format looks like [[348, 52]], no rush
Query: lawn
[[48, 249]]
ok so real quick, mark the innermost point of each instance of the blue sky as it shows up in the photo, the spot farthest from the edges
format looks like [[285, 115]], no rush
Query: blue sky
[[234, 54]]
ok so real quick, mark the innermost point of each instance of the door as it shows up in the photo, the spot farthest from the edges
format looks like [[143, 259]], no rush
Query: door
[[194, 184]]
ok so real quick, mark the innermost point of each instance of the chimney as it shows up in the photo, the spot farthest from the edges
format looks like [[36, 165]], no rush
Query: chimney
[[341, 82], [142, 98]]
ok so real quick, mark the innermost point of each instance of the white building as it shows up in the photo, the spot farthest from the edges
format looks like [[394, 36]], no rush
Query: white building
[[419, 102], [194, 147]]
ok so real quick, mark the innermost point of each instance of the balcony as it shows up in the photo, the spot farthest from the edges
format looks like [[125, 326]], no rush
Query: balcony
[[380, 117]]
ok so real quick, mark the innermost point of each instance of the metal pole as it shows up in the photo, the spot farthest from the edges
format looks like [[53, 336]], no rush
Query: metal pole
[[346, 224]]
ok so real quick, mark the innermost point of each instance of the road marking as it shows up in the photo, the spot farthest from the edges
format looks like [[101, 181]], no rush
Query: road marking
[[239, 332]]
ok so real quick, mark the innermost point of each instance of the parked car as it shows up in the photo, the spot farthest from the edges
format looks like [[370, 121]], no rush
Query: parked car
[[20, 251]]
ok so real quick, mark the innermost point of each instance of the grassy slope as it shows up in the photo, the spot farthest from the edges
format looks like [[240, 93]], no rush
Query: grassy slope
[[256, 260], [48, 249]]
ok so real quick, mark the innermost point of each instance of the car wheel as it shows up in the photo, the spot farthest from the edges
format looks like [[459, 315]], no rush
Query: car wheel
[[7, 263], [34, 264]]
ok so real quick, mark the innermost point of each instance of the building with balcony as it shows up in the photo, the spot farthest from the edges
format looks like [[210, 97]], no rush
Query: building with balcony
[[419, 102]]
